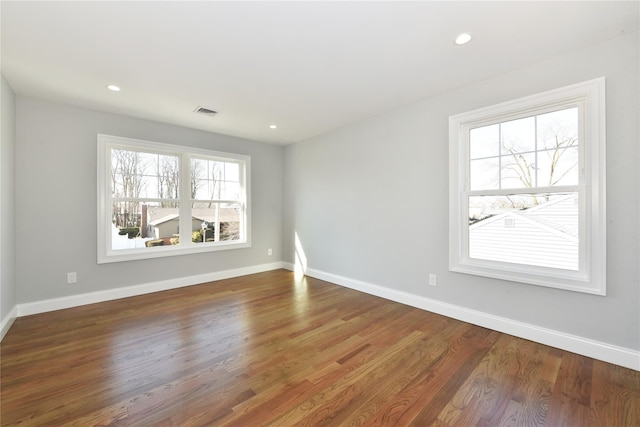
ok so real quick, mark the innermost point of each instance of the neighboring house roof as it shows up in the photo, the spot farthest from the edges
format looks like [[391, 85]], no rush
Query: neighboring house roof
[[545, 235], [560, 213], [159, 216], [163, 219]]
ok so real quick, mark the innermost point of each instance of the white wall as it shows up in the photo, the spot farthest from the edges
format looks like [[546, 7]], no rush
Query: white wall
[[7, 218], [56, 201], [369, 202]]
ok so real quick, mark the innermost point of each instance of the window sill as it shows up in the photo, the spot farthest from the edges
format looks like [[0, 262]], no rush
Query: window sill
[[168, 251]]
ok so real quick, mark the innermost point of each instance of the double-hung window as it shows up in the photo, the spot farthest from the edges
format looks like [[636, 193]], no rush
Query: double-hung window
[[157, 200], [527, 190]]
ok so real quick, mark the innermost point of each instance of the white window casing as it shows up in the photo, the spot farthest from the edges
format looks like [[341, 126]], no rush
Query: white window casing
[[588, 273], [185, 214]]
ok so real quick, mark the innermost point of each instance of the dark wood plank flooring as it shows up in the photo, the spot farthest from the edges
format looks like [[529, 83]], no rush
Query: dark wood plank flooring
[[270, 350]]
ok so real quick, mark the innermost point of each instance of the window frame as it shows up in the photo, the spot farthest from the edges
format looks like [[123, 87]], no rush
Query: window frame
[[106, 253], [591, 275]]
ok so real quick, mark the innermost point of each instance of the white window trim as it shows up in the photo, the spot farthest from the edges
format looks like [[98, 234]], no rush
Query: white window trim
[[105, 252], [591, 277]]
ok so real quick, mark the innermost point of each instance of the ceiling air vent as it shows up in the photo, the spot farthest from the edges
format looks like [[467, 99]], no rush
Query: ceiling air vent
[[205, 111]]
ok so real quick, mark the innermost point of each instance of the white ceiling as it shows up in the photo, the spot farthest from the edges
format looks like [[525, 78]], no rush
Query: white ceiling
[[308, 67]]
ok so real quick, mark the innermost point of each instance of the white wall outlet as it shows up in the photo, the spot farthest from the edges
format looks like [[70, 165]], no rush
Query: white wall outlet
[[72, 277], [433, 280], [269, 251]]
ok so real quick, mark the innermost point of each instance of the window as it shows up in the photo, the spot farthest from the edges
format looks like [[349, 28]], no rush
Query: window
[[157, 200], [527, 190]]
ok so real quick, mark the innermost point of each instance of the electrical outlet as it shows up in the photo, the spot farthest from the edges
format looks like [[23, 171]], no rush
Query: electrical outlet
[[72, 277], [433, 280], [269, 251]]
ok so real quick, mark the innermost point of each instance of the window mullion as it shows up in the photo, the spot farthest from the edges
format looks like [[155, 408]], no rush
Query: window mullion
[[537, 153], [525, 190], [500, 142], [185, 200]]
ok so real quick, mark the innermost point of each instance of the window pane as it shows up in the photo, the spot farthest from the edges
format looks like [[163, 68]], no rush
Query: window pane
[[149, 187], [204, 189], [558, 167], [230, 222], [518, 136], [165, 177], [540, 150], [126, 180], [140, 225], [216, 221], [230, 191], [537, 230], [214, 179], [484, 174], [484, 142], [518, 171], [136, 174], [232, 172], [117, 185], [205, 215], [215, 169], [164, 224], [558, 129], [126, 214], [558, 141]]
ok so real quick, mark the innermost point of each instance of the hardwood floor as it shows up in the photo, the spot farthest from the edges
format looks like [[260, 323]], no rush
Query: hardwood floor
[[271, 350]]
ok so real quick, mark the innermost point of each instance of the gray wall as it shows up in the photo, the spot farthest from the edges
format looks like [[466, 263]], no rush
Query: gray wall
[[7, 194], [370, 201], [55, 202]]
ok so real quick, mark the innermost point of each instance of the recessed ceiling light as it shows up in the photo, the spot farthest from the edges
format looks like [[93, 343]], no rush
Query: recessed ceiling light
[[273, 126], [463, 38], [113, 88]]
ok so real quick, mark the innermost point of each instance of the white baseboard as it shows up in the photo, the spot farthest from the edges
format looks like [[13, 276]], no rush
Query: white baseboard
[[587, 347], [8, 321], [146, 288]]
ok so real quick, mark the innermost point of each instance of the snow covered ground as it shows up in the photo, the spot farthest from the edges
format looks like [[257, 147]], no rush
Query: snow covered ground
[[124, 242]]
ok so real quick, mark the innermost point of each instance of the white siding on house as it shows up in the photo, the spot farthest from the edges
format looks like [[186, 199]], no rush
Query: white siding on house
[[559, 213], [544, 236]]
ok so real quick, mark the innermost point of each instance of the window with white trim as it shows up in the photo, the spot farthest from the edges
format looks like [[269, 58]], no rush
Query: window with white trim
[[527, 190], [157, 200]]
